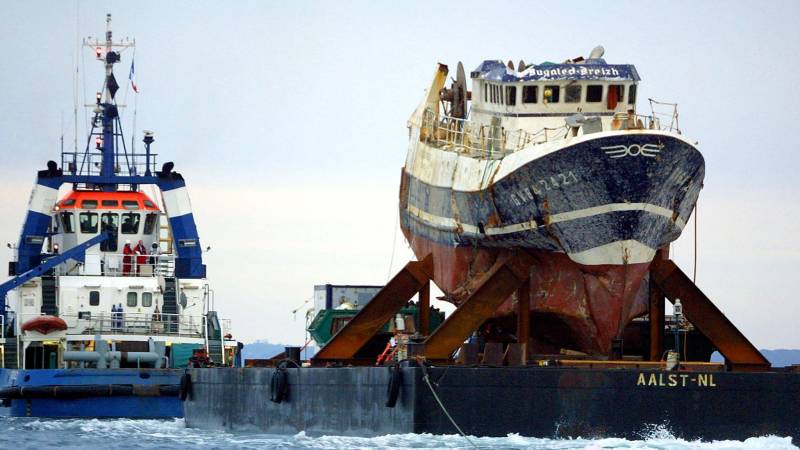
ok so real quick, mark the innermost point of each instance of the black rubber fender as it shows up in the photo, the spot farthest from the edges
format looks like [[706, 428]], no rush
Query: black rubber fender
[[393, 388], [185, 388], [279, 386]]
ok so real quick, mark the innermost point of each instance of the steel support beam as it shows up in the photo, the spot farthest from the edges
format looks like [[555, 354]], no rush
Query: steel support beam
[[524, 317], [374, 315], [424, 307], [739, 352], [491, 290], [656, 313]]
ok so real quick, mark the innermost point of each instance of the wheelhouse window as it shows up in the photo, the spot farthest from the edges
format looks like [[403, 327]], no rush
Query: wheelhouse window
[[89, 204], [130, 204], [150, 223], [132, 299], [130, 223], [68, 202], [94, 298], [632, 95], [110, 224], [530, 94], [109, 203], [511, 95], [149, 204], [68, 222], [147, 299], [573, 93], [616, 94], [88, 222], [552, 94], [594, 93]]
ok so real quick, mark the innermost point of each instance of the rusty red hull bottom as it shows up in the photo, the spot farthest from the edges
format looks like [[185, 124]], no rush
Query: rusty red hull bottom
[[573, 306]]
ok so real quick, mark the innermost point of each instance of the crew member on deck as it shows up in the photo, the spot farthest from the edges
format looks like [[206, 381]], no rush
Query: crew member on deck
[[127, 259], [141, 256]]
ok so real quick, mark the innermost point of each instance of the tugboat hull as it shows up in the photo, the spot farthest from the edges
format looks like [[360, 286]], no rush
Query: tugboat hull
[[92, 393]]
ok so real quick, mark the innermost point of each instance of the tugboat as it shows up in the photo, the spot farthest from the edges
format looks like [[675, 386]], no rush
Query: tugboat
[[108, 300], [553, 160]]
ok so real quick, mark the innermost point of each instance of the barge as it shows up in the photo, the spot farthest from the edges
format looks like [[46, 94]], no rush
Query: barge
[[542, 204]]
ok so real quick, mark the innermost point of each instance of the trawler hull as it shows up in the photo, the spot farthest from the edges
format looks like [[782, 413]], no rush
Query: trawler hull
[[592, 214]]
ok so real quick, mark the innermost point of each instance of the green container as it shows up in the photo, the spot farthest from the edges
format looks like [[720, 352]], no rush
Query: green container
[[180, 354]]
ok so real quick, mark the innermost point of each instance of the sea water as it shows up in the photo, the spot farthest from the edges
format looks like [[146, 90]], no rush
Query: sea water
[[33, 433]]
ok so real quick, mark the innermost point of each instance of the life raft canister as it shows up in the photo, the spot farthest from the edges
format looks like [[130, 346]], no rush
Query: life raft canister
[[45, 324]]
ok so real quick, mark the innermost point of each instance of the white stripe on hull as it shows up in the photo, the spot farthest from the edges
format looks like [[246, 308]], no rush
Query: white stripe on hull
[[617, 253], [450, 224], [450, 169]]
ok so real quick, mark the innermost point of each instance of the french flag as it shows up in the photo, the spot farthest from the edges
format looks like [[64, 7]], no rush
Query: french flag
[[131, 77]]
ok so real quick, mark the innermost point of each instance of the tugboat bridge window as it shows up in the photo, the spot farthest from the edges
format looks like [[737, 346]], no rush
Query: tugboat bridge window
[[150, 223], [552, 94], [573, 93], [88, 221], [94, 298], [149, 204], [68, 222], [594, 93], [530, 94], [89, 204], [511, 95], [632, 95], [110, 224], [109, 203], [130, 223], [147, 299], [131, 299], [130, 204]]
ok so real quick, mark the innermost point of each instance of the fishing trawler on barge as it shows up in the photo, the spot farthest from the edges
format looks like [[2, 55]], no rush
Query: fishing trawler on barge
[[542, 204], [108, 298]]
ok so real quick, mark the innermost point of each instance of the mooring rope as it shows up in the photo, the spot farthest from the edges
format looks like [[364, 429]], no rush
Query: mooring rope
[[441, 405]]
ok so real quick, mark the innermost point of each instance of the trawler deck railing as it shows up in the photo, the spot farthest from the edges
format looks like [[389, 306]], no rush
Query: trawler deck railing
[[480, 140], [132, 323]]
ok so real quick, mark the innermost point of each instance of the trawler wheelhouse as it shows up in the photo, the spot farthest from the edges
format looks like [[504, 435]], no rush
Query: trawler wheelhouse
[[543, 95]]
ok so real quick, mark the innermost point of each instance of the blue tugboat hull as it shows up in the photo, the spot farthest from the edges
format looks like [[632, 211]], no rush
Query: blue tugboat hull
[[93, 393]]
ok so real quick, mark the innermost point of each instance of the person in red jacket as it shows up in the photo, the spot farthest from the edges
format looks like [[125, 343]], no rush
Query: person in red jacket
[[127, 259], [141, 256]]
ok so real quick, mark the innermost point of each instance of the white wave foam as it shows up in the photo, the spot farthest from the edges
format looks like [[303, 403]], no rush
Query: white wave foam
[[25, 433]]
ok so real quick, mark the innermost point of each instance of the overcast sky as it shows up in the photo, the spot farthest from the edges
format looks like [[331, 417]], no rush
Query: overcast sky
[[288, 121]]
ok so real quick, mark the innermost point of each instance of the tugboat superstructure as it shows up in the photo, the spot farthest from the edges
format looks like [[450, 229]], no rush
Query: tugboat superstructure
[[108, 270], [550, 159]]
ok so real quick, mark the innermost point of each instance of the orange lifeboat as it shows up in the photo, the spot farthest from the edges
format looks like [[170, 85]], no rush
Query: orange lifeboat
[[45, 324]]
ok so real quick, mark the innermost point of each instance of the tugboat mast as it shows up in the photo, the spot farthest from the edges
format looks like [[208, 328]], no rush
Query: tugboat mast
[[107, 117]]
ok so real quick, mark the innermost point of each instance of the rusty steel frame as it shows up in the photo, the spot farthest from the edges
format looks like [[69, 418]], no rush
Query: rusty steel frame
[[490, 291], [373, 316], [425, 309], [524, 317], [738, 351]]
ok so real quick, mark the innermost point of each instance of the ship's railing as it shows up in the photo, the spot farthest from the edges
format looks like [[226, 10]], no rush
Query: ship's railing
[[119, 265], [90, 163], [663, 116], [132, 323], [480, 140]]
